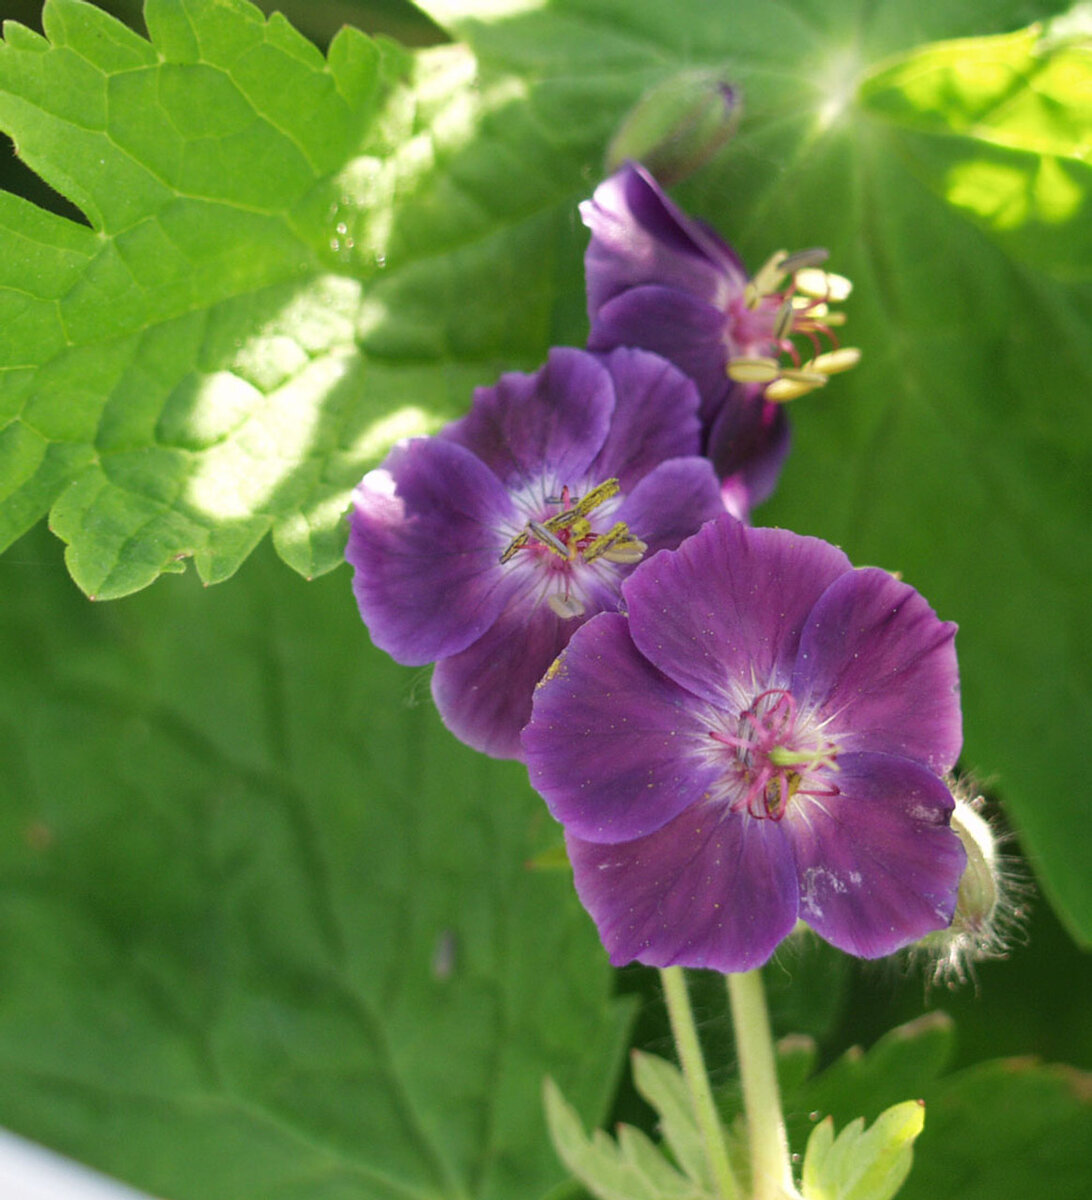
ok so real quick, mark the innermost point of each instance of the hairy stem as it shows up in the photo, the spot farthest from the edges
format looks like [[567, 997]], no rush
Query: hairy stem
[[771, 1170], [697, 1080]]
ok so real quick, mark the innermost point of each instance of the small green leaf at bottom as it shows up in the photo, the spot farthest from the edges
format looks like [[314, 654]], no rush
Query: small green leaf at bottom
[[632, 1168], [860, 1164]]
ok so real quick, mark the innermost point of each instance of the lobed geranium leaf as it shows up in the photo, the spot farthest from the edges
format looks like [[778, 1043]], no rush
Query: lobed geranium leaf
[[862, 1164], [633, 1167], [1005, 1130], [187, 374], [662, 1085], [997, 1129], [268, 930]]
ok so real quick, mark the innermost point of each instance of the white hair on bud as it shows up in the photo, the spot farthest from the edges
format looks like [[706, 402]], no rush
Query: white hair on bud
[[992, 907]]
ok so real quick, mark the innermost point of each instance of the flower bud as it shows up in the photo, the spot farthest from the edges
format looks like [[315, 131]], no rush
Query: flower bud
[[988, 915], [677, 126]]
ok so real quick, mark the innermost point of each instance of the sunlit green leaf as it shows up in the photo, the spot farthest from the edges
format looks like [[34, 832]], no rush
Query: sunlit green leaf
[[1010, 125], [862, 1164]]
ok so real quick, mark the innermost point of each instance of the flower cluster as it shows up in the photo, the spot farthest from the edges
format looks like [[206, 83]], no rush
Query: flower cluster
[[735, 727]]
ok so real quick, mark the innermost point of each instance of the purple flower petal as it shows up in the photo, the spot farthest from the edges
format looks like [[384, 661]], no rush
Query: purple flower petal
[[675, 325], [640, 236], [878, 865], [484, 693], [671, 501], [882, 667], [556, 418], [723, 614], [655, 417], [749, 441], [424, 545], [709, 889], [614, 746]]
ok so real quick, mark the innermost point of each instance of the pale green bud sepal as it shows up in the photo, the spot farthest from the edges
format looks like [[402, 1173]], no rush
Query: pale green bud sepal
[[863, 1164], [677, 126]]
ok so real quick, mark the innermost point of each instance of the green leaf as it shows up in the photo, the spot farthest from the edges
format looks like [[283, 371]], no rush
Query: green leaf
[[859, 1164], [998, 1129], [662, 1084], [185, 376], [904, 1062], [959, 451], [630, 1169], [1005, 1130], [268, 929], [1008, 125]]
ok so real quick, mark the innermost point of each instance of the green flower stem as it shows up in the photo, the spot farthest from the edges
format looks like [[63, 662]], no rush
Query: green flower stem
[[701, 1095], [771, 1170]]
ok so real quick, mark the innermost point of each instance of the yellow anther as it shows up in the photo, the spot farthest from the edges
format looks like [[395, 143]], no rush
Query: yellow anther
[[616, 545], [565, 607], [823, 285], [604, 491], [766, 279], [834, 362], [753, 369], [517, 543], [628, 550], [783, 390], [804, 374]]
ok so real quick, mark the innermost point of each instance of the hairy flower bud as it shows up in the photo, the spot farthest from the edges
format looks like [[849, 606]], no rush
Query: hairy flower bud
[[990, 909], [677, 126]]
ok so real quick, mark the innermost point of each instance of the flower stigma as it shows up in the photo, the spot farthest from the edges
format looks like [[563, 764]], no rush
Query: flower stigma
[[789, 296], [568, 537], [776, 755]]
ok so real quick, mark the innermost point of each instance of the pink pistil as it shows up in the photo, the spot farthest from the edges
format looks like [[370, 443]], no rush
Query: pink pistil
[[773, 757]]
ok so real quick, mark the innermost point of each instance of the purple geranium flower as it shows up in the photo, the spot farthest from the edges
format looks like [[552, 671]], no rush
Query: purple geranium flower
[[763, 740], [661, 280], [482, 549]]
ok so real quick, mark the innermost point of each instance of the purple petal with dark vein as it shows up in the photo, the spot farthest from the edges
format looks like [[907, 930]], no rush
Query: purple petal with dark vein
[[672, 502], [749, 441], [684, 330], [614, 747], [425, 537], [711, 889], [484, 693], [655, 417], [878, 865], [553, 422], [722, 615], [639, 236], [880, 664]]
